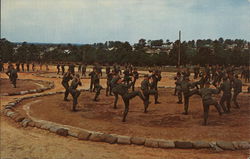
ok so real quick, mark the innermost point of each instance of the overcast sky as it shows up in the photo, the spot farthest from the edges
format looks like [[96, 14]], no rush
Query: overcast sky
[[90, 21]]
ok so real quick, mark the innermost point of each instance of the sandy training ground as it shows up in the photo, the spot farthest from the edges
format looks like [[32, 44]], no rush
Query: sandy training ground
[[163, 121]]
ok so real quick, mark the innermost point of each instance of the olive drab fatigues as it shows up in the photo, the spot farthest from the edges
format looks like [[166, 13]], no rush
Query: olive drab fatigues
[[63, 69], [92, 75], [122, 90], [97, 86], [58, 68], [12, 73], [226, 87], [126, 76], [156, 79], [109, 79], [207, 100], [136, 76], [237, 86], [74, 92], [65, 82], [145, 87], [114, 90], [178, 88], [185, 88]]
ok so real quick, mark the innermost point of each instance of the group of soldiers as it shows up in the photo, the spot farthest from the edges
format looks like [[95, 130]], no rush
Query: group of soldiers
[[122, 83], [223, 80]]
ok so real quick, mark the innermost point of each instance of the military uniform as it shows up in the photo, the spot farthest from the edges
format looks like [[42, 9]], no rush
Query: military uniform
[[12, 73], [65, 82], [185, 88], [84, 70], [97, 86], [63, 69], [136, 76], [109, 79], [178, 88], [207, 100], [114, 90], [226, 87], [237, 86], [72, 68], [122, 90], [145, 87], [28, 66], [22, 67], [126, 76], [156, 78], [92, 75], [74, 92], [58, 68]]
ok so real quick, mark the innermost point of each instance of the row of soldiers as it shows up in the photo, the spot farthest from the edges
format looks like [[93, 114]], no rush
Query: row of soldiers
[[22, 67]]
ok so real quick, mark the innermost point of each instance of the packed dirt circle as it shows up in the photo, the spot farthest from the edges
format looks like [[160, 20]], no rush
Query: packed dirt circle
[[162, 121]]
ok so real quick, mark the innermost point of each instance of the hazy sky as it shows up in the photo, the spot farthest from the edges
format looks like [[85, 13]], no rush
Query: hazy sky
[[90, 21]]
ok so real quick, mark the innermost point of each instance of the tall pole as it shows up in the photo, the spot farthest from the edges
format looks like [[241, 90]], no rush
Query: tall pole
[[179, 50]]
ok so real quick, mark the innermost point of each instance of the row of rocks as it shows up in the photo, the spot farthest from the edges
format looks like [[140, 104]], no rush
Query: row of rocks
[[48, 85], [83, 134]]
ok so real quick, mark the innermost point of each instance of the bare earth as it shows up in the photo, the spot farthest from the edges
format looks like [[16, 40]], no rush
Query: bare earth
[[18, 142]]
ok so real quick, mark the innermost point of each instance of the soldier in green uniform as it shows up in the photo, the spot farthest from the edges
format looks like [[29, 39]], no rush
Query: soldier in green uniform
[[226, 88], [122, 90], [109, 79], [237, 86], [12, 73], [187, 93], [135, 74], [114, 83], [207, 100], [97, 85], [92, 75], [145, 87], [178, 79], [73, 90], [65, 82], [156, 77]]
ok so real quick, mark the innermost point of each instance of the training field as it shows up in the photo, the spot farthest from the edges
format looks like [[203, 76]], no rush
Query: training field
[[163, 121]]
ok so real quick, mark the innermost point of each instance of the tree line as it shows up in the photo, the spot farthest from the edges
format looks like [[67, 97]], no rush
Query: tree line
[[222, 52]]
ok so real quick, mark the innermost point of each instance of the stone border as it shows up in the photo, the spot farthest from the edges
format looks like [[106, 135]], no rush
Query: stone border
[[83, 134], [39, 90]]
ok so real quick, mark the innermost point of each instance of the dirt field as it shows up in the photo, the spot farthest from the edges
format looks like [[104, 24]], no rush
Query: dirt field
[[6, 86], [18, 142], [162, 121]]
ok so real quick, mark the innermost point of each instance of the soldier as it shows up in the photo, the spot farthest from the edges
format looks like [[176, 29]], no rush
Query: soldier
[[58, 68], [136, 76], [92, 75], [12, 73], [178, 79], [80, 68], [237, 86], [156, 77], [196, 71], [33, 66], [72, 68], [22, 67], [122, 90], [97, 85], [28, 67], [185, 88], [63, 68], [114, 83], [47, 67], [84, 67], [145, 87], [226, 87], [18, 67], [73, 90], [107, 70], [109, 79], [207, 100], [65, 82], [126, 78]]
